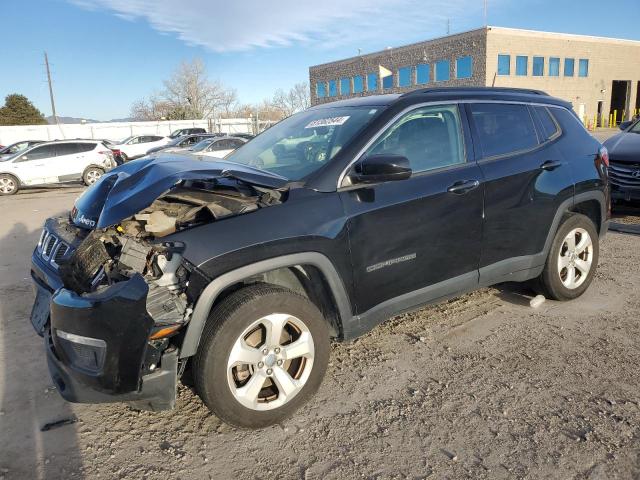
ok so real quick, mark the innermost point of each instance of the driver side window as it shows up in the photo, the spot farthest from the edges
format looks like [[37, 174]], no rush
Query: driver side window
[[430, 138]]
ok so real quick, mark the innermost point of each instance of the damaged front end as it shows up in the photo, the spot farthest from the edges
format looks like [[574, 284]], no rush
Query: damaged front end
[[117, 293]]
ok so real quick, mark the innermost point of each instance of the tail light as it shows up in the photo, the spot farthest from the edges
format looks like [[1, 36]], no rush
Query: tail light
[[108, 153], [116, 151], [603, 153]]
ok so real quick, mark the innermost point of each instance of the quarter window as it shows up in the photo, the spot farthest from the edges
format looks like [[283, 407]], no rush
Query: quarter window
[[554, 67], [522, 65], [358, 84], [583, 67], [549, 126], [372, 82], [422, 73], [442, 71], [538, 66], [569, 64], [464, 67], [430, 138], [345, 86], [321, 89], [503, 128], [404, 77], [504, 64]]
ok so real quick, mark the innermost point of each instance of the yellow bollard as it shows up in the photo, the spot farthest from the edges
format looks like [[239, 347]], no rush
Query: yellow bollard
[[595, 120]]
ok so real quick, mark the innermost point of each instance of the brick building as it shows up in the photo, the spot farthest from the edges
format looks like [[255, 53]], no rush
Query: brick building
[[599, 76]]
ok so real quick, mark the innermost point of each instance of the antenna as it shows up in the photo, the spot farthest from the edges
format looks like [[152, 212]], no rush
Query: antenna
[[53, 105]]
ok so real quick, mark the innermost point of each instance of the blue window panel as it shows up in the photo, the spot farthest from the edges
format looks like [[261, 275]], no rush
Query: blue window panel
[[569, 64], [404, 76], [442, 70], [321, 89], [333, 88], [554, 67], [372, 82], [422, 73], [464, 67], [522, 65], [387, 82], [345, 86], [538, 66], [504, 64], [583, 67], [358, 84]]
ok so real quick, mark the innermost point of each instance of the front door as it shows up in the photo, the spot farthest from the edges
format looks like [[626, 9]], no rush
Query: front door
[[418, 239], [37, 166]]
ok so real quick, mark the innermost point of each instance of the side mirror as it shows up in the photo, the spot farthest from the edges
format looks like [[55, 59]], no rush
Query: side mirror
[[381, 168], [625, 125]]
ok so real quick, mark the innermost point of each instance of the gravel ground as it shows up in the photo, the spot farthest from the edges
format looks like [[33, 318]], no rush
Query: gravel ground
[[483, 386]]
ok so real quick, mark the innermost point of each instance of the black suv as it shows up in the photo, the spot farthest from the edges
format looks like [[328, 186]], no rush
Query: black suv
[[241, 271], [186, 131]]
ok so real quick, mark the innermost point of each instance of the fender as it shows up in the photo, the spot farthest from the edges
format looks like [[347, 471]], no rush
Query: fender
[[211, 292]]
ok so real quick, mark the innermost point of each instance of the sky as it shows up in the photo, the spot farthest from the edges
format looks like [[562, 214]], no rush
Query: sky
[[106, 54]]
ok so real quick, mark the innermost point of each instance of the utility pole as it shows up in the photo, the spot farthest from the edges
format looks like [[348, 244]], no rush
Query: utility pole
[[485, 13], [448, 26], [53, 105]]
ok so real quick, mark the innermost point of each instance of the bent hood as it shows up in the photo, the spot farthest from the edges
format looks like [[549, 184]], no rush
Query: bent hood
[[132, 187], [624, 147]]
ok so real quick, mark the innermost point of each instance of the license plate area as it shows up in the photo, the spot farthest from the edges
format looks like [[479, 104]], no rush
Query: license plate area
[[40, 310]]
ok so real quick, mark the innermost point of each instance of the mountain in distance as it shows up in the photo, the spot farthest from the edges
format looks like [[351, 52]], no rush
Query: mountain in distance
[[65, 120]]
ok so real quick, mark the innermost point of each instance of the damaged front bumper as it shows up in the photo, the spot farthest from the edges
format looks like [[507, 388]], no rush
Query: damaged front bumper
[[97, 344]]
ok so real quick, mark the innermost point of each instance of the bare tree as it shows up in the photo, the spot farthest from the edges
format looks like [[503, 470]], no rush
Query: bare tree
[[295, 100]]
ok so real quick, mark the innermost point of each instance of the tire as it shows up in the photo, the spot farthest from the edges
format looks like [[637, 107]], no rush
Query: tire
[[124, 157], [9, 185], [91, 175], [556, 281], [239, 324]]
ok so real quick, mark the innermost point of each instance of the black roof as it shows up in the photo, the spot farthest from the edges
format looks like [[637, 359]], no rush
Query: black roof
[[452, 93]]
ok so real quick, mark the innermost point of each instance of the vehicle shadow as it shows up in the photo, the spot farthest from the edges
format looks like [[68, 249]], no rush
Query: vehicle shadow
[[515, 293], [28, 400]]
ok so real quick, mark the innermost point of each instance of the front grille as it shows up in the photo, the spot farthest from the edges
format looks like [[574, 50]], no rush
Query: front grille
[[52, 249], [626, 175]]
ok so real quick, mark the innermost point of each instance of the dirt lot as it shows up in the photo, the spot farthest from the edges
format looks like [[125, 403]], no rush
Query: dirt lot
[[481, 387]]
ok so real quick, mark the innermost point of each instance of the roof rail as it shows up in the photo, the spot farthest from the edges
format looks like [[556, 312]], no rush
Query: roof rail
[[529, 91]]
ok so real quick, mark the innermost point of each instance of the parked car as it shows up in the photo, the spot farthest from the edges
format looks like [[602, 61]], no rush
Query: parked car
[[137, 146], [186, 131], [55, 162], [242, 270], [216, 147], [246, 136], [624, 168], [17, 147], [181, 143]]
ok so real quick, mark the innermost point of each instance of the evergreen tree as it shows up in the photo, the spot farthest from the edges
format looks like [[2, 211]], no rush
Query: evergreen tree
[[18, 110]]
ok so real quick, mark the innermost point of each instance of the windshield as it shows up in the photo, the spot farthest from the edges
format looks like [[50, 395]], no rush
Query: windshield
[[122, 142], [302, 143], [201, 145]]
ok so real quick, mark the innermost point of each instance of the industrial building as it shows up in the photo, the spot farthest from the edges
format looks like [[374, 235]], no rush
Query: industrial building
[[599, 76]]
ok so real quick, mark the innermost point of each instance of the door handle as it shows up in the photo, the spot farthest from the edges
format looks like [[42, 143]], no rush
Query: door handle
[[463, 186], [550, 165]]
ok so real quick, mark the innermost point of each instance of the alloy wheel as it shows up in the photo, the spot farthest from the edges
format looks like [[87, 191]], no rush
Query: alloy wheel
[[93, 176], [575, 258], [7, 185], [270, 362]]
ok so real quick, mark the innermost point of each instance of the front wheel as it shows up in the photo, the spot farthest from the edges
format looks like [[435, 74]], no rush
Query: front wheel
[[8, 185], [263, 354], [572, 260]]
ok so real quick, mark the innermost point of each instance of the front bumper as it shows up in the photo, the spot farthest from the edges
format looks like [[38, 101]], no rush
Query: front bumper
[[625, 193], [97, 344]]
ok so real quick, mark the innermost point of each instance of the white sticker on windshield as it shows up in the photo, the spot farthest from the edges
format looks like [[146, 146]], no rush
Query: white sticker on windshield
[[327, 122]]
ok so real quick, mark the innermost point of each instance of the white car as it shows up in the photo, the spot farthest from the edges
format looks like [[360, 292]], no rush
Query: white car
[[138, 145], [55, 162], [218, 147]]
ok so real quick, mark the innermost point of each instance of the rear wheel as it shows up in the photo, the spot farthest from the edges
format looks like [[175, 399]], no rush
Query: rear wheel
[[263, 354], [8, 184], [91, 175], [572, 260]]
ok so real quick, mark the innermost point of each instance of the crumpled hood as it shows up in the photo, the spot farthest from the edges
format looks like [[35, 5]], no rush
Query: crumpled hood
[[624, 147], [133, 186]]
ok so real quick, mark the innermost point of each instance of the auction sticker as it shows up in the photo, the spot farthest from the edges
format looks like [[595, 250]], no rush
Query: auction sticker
[[327, 122]]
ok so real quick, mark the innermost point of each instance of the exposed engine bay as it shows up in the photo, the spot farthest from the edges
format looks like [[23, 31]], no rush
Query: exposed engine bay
[[107, 256]]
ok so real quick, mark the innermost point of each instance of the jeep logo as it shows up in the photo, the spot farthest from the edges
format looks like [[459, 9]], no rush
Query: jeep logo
[[86, 221]]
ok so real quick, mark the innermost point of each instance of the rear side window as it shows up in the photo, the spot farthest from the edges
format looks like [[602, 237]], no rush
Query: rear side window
[[85, 147], [550, 128], [503, 128], [67, 149]]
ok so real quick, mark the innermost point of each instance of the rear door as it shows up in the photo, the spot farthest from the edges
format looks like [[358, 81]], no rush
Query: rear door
[[70, 161], [417, 239], [526, 180]]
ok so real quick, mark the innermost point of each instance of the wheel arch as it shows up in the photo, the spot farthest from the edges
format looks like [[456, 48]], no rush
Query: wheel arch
[[13, 174], [309, 273]]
